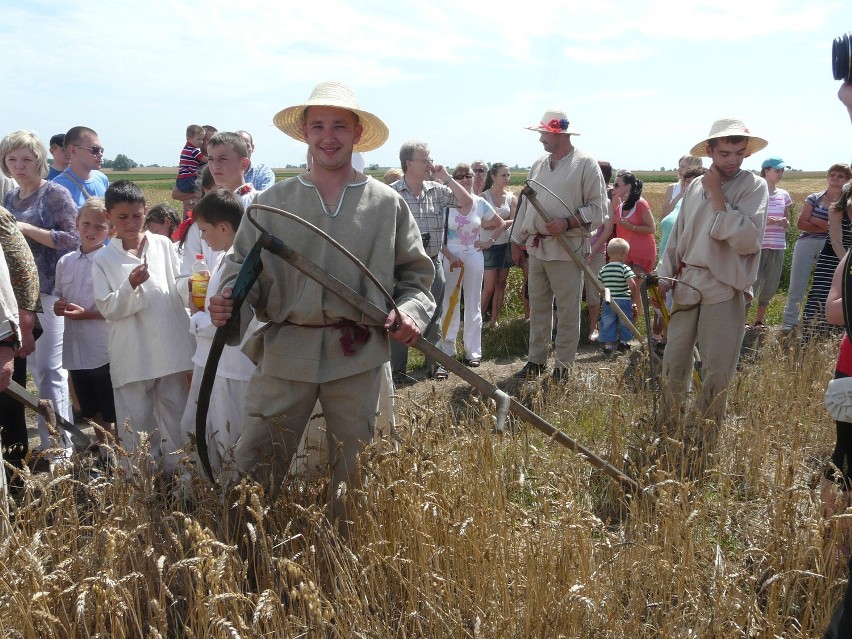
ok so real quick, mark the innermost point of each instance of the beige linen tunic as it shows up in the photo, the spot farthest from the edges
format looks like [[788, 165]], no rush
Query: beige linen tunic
[[374, 223], [718, 251], [577, 180]]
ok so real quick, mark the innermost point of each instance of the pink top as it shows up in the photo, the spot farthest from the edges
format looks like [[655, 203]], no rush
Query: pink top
[[643, 246]]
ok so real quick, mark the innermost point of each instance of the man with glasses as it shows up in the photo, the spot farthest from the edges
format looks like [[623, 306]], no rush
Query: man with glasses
[[428, 190], [85, 153], [480, 173]]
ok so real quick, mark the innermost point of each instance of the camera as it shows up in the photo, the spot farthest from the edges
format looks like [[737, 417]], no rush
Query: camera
[[841, 57]]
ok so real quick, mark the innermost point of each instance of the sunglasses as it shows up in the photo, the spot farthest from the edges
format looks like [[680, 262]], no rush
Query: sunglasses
[[94, 150], [479, 170]]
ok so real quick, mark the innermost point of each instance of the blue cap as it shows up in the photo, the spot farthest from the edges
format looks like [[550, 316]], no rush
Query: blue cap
[[773, 163]]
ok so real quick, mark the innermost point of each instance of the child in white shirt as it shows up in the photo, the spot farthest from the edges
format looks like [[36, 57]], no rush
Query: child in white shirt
[[140, 291]]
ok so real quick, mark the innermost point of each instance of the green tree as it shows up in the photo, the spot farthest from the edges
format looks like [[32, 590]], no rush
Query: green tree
[[123, 163]]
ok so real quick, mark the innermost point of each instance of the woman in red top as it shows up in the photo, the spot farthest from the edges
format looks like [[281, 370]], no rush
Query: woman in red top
[[634, 222], [838, 473]]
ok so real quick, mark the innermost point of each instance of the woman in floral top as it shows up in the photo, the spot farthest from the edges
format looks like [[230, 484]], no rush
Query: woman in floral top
[[47, 217], [463, 260]]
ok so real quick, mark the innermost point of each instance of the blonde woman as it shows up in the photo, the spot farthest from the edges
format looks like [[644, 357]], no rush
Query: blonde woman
[[46, 216], [674, 192], [495, 242]]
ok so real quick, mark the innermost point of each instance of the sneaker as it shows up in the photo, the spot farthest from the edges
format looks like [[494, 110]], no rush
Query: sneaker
[[623, 347], [560, 374], [440, 373], [608, 351], [531, 370]]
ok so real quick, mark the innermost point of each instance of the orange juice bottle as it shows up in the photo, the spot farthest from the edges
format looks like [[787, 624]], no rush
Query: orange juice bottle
[[198, 280]]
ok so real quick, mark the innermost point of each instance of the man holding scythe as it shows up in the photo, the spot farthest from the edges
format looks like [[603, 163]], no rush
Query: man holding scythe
[[316, 345]]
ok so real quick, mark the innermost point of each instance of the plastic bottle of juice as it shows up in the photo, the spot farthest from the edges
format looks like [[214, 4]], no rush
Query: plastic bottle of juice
[[198, 280]]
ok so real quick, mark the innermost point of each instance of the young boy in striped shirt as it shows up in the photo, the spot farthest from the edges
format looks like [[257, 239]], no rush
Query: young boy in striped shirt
[[624, 291]]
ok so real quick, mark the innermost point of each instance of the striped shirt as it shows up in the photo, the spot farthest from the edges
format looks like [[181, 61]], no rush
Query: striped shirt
[[774, 236], [189, 162], [820, 211], [428, 211], [614, 276]]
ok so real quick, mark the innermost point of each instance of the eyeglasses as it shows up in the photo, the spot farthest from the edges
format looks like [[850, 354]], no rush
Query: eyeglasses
[[426, 160], [464, 176], [94, 150], [479, 170]]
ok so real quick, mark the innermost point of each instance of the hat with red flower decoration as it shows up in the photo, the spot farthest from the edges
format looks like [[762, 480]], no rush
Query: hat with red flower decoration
[[333, 94], [729, 127], [554, 121]]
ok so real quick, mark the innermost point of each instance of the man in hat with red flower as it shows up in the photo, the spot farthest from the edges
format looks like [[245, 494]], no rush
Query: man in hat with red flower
[[570, 187], [314, 345], [710, 264]]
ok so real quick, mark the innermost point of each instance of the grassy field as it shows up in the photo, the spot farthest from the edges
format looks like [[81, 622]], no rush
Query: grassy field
[[465, 533]]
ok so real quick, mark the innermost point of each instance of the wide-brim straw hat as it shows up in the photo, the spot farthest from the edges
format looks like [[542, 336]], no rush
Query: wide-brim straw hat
[[725, 128], [554, 121], [333, 94]]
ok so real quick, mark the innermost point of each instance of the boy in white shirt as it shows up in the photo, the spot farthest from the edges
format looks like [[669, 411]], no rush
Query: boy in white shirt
[[84, 346], [140, 291], [217, 216]]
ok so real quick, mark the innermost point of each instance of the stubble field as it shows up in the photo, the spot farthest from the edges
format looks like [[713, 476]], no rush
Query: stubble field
[[462, 532]]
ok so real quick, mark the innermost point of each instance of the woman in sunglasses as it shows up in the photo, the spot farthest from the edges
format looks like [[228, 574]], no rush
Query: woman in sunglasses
[[463, 268], [46, 216]]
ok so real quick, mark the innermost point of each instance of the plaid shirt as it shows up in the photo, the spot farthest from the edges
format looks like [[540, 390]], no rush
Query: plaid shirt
[[428, 211]]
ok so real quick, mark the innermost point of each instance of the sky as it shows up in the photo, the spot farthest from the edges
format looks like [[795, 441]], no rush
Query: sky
[[642, 81]]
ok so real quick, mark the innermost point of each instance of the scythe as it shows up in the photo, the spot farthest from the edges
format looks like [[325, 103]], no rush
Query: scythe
[[248, 274]]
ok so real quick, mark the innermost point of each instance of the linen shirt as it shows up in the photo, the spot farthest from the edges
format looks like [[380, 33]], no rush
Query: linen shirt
[[233, 363], [428, 210], [717, 252], [578, 181], [148, 325], [375, 224], [84, 345]]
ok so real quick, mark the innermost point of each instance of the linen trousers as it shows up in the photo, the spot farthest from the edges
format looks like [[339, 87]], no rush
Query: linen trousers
[[718, 329], [153, 408], [474, 269], [563, 280]]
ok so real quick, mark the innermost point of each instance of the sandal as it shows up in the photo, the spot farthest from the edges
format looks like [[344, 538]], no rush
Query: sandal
[[472, 363], [759, 326], [440, 373]]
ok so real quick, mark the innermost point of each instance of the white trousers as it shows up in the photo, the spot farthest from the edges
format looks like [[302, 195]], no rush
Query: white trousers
[[51, 380], [153, 408], [474, 269]]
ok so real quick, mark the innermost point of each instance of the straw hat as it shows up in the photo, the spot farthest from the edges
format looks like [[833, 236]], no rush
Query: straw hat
[[554, 121], [333, 94], [727, 127]]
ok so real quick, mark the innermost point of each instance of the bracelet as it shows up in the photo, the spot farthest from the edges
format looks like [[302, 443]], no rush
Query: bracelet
[[447, 181]]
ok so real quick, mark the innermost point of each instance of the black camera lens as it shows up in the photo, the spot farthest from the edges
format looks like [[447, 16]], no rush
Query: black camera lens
[[841, 57]]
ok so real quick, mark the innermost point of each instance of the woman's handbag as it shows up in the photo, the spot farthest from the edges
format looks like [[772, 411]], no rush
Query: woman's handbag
[[838, 399]]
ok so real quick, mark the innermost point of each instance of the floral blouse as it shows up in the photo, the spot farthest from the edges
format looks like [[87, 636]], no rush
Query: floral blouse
[[52, 208]]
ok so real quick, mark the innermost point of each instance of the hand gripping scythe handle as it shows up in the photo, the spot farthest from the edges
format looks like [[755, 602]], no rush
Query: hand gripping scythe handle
[[249, 272], [529, 193], [505, 403]]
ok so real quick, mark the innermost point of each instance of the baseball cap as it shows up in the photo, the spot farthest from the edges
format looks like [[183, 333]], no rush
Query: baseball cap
[[773, 163]]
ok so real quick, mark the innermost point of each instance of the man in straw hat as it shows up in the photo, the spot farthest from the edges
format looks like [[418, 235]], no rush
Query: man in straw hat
[[572, 176], [713, 253], [314, 346]]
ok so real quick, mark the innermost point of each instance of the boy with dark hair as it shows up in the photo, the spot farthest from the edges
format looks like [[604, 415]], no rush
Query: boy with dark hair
[[217, 216], [140, 291], [192, 159], [60, 158]]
